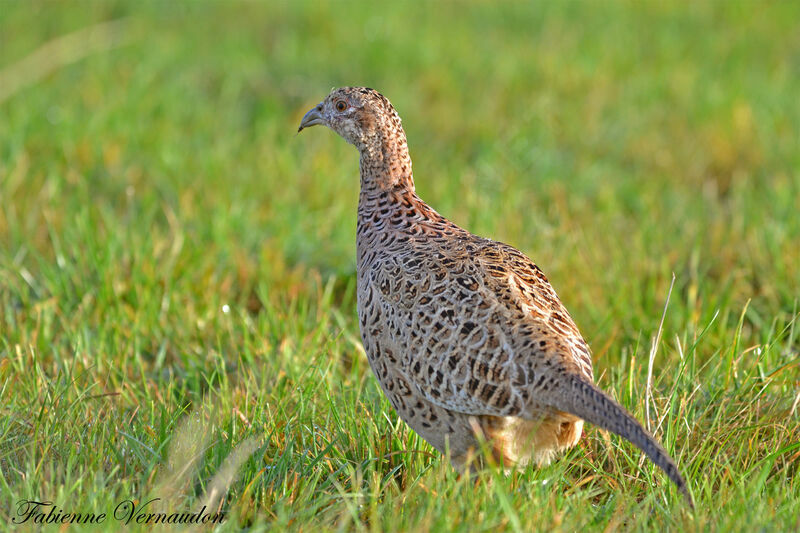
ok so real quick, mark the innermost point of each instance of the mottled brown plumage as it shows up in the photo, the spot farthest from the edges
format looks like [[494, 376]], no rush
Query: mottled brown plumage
[[466, 336]]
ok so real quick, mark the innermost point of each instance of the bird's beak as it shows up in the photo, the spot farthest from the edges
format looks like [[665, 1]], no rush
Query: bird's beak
[[312, 118]]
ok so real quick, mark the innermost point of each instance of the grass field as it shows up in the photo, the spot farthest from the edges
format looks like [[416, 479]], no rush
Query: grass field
[[177, 268]]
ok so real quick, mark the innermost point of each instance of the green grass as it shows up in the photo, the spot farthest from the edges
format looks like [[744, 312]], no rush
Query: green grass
[[177, 268]]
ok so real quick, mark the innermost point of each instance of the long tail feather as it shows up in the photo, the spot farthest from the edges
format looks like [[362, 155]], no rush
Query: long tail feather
[[585, 400]]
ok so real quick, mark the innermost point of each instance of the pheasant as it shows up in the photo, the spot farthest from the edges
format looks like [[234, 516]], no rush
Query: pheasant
[[466, 336]]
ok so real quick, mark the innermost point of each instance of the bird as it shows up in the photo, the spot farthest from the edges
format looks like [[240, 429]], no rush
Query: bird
[[466, 336]]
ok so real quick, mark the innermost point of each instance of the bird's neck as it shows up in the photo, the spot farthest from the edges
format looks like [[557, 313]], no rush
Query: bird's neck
[[385, 164]]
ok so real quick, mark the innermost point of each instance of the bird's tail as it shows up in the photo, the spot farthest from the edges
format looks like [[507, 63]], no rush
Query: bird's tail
[[585, 400]]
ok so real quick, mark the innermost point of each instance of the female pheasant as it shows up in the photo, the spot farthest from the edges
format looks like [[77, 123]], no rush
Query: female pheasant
[[466, 336]]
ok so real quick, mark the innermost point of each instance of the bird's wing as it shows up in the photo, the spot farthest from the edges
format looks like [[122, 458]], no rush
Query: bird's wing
[[476, 326]]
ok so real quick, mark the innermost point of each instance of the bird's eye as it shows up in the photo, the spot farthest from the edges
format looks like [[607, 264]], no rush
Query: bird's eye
[[341, 106]]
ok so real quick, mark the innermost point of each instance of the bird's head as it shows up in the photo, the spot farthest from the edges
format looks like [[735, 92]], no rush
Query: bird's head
[[365, 118], [362, 116]]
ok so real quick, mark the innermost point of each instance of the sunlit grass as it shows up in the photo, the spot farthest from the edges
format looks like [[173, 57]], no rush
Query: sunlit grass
[[171, 252]]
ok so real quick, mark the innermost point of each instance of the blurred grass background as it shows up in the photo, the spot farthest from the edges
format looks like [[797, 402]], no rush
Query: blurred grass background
[[169, 246]]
